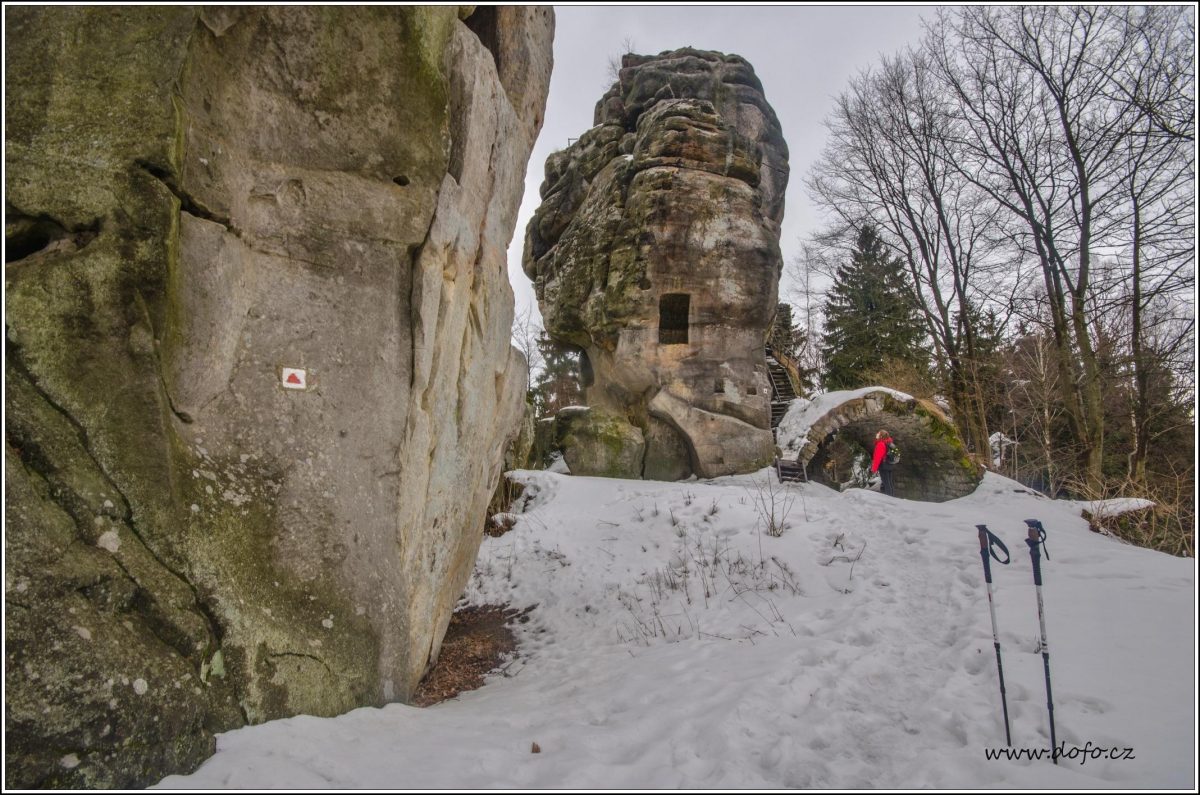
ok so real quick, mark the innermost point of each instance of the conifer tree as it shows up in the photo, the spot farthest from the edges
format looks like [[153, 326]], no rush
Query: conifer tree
[[783, 330], [871, 317], [558, 384]]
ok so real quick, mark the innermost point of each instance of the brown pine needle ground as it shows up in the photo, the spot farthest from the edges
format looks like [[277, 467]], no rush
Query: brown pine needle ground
[[478, 641]]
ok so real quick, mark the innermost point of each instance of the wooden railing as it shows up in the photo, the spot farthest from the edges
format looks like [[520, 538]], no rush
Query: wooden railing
[[791, 365]]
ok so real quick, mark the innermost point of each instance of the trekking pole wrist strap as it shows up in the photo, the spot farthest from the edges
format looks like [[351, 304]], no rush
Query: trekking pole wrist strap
[[992, 541]]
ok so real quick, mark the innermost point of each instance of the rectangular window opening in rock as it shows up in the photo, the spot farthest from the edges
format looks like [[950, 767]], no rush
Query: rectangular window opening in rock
[[673, 318]]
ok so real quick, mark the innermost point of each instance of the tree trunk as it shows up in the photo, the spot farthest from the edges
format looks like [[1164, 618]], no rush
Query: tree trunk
[[1141, 398]]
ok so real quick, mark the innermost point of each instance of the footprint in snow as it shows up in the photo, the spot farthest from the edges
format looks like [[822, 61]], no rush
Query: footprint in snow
[[1087, 705], [976, 662], [861, 639]]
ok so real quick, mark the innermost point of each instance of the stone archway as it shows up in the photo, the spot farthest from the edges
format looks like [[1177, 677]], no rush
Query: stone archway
[[934, 466]]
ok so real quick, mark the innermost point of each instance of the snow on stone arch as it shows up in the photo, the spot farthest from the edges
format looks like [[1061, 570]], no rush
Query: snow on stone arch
[[832, 434]]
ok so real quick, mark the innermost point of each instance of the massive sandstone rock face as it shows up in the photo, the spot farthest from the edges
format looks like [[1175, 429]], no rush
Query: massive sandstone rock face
[[656, 252], [196, 200]]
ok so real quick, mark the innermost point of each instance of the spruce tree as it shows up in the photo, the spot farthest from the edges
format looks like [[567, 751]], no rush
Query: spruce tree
[[558, 384], [783, 330], [871, 317]]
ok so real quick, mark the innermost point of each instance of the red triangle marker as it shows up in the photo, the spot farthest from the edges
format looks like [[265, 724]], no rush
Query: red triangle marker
[[292, 379]]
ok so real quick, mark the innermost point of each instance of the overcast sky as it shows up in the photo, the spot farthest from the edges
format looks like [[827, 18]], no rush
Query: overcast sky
[[802, 54]]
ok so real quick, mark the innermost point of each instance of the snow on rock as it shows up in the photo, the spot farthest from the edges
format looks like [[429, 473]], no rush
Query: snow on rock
[[677, 645], [558, 465], [803, 412], [109, 540], [999, 443], [1114, 507]]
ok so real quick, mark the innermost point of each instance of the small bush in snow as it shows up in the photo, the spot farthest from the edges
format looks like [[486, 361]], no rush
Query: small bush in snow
[[704, 572], [773, 502]]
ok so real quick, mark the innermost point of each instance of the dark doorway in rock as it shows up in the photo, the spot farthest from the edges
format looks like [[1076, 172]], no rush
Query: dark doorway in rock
[[842, 460], [673, 318], [484, 23], [587, 376]]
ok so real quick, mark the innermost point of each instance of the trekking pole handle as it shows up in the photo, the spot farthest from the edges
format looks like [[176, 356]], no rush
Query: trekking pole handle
[[988, 541], [1035, 528], [1034, 541]]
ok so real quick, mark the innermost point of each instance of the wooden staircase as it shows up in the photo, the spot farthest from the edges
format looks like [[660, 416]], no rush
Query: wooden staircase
[[782, 395], [790, 470]]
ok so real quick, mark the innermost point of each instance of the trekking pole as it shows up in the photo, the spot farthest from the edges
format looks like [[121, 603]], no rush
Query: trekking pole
[[1036, 539], [987, 544]]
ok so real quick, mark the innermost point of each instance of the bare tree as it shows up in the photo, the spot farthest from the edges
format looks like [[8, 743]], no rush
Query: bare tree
[[891, 158], [808, 275], [526, 331], [615, 62], [1162, 83], [1158, 182], [1053, 142], [1035, 412], [1046, 135]]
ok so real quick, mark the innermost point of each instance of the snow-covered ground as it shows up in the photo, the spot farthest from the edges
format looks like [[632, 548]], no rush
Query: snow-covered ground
[[675, 644]]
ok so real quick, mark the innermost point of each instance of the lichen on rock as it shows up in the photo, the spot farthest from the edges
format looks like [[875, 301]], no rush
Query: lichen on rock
[[198, 198]]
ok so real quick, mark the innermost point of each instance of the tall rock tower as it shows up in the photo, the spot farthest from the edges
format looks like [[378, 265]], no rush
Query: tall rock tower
[[656, 252]]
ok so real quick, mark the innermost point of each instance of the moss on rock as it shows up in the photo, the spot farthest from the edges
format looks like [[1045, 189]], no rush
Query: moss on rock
[[601, 444], [159, 593]]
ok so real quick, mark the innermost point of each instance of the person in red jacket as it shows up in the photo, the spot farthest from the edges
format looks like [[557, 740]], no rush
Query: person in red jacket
[[881, 464]]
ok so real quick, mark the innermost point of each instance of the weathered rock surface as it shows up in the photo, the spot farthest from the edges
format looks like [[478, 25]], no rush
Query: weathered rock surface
[[600, 444], [656, 251], [197, 199]]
